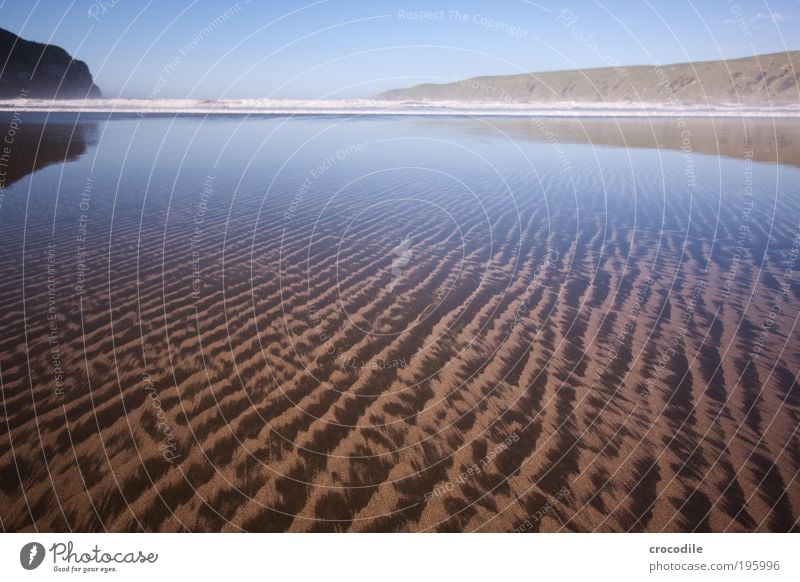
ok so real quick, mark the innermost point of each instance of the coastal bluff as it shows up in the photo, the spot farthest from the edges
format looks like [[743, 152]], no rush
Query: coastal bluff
[[41, 71]]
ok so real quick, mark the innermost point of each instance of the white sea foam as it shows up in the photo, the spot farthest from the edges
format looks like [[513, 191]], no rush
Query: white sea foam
[[376, 107]]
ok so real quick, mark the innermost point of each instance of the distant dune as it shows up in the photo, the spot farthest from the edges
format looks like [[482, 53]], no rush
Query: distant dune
[[758, 80]]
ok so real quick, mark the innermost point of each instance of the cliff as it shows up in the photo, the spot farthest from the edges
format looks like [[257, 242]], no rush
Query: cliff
[[45, 71]]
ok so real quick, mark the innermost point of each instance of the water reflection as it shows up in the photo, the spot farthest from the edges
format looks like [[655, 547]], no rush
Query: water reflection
[[28, 146], [763, 140]]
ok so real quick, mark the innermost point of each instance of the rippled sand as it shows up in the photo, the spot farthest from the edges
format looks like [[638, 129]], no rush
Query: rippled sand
[[408, 326]]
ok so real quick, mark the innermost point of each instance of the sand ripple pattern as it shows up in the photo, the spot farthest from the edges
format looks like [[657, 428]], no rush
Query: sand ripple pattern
[[386, 325]]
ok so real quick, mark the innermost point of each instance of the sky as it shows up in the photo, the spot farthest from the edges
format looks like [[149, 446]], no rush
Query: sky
[[313, 49]]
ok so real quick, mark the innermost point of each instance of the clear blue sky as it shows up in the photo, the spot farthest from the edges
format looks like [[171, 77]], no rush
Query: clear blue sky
[[347, 48]]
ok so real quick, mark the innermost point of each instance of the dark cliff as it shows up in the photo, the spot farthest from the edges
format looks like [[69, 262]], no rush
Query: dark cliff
[[45, 71]]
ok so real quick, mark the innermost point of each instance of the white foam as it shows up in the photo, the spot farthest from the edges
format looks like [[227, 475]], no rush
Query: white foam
[[376, 107]]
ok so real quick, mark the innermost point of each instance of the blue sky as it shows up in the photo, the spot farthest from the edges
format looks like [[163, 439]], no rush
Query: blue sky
[[345, 48]]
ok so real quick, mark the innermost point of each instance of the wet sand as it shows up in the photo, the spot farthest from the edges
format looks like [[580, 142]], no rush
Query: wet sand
[[419, 340]]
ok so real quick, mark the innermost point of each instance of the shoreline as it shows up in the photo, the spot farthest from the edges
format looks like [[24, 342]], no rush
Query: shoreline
[[280, 107]]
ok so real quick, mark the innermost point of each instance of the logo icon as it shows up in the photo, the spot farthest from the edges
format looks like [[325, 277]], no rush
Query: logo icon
[[403, 254], [31, 555]]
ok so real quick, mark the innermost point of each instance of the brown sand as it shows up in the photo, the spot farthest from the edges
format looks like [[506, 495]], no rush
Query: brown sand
[[558, 422]]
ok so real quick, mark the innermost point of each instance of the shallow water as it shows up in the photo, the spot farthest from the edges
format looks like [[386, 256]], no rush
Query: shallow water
[[331, 323]]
